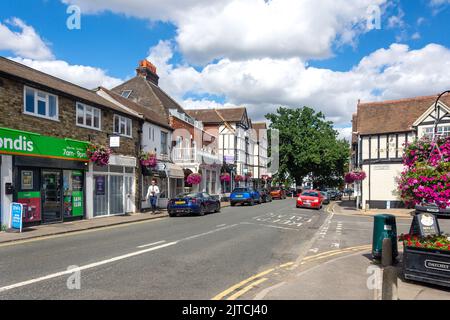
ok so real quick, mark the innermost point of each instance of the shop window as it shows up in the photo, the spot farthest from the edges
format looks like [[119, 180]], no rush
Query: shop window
[[122, 125], [40, 104], [88, 116]]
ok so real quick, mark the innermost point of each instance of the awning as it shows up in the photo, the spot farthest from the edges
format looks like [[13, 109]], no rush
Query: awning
[[175, 171]]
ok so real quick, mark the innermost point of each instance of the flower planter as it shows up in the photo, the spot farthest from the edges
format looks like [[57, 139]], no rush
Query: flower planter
[[427, 265]]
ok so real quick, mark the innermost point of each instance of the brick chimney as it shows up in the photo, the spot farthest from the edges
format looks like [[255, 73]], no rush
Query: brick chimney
[[147, 70]]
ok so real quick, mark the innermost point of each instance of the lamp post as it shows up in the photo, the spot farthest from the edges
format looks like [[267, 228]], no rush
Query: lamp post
[[436, 112]]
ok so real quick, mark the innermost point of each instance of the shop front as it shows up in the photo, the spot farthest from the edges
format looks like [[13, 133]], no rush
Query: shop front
[[170, 180], [114, 187], [45, 174]]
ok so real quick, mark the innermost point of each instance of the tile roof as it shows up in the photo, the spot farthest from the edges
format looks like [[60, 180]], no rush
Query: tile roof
[[394, 115], [149, 114], [211, 116], [27, 74], [148, 95]]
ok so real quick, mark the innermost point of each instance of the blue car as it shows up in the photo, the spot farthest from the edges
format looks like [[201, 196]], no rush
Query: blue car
[[197, 203], [245, 195]]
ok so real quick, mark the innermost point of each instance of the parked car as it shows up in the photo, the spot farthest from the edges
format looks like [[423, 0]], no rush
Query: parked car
[[245, 195], [310, 199], [278, 193], [326, 197], [335, 195], [193, 203], [265, 195]]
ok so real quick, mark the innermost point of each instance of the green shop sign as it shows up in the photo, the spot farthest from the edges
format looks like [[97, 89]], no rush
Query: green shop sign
[[33, 144]]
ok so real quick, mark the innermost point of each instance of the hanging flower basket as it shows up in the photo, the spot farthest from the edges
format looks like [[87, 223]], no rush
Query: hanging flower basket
[[148, 159], [238, 178], [355, 175], [225, 177], [426, 177], [98, 155], [194, 179]]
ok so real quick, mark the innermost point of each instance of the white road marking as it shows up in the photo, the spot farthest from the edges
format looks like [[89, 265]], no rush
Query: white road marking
[[151, 244], [221, 225], [269, 226], [209, 232], [314, 250], [85, 267]]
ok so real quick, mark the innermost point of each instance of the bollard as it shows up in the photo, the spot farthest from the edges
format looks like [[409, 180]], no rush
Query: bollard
[[386, 253], [389, 290]]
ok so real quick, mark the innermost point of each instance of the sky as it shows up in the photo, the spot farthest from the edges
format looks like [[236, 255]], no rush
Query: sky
[[262, 54]]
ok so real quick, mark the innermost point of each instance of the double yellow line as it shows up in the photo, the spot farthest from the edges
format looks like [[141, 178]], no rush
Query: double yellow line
[[248, 284]]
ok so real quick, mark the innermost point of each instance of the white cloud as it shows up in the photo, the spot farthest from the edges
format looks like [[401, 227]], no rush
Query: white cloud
[[85, 76], [415, 36], [264, 84], [244, 29], [24, 42], [345, 133]]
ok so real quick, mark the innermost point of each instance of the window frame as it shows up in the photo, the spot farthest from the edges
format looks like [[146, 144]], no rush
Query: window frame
[[165, 152], [120, 117], [36, 99], [84, 125], [128, 95]]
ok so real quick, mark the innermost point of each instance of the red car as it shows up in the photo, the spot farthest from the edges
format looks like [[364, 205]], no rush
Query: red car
[[310, 199], [278, 193]]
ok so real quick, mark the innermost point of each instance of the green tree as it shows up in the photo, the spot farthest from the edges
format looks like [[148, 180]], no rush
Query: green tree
[[309, 145]]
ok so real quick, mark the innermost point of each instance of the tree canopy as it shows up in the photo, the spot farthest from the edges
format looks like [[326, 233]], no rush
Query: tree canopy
[[309, 145]]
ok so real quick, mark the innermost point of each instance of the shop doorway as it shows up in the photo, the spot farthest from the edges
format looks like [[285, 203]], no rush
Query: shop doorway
[[51, 196]]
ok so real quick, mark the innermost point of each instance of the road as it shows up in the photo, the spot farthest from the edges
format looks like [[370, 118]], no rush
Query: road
[[170, 258]]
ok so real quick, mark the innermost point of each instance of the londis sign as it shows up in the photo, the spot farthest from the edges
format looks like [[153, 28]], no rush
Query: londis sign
[[23, 143]]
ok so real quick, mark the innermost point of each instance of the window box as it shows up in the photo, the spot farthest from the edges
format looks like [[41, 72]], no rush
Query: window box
[[427, 265]]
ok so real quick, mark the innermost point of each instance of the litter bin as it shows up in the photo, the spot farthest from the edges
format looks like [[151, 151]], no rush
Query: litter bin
[[384, 226]]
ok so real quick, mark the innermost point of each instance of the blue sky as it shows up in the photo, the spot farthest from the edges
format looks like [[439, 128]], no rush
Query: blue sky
[[210, 60]]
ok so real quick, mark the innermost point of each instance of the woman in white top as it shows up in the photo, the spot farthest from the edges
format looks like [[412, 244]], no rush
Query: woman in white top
[[152, 195]]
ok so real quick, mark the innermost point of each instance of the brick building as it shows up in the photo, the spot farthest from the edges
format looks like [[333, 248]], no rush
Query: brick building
[[46, 125]]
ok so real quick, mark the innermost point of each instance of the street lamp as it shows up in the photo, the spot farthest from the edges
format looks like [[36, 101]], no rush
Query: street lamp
[[436, 112]]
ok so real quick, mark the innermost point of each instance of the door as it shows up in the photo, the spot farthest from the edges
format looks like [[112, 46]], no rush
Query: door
[[129, 198], [51, 196], [116, 195]]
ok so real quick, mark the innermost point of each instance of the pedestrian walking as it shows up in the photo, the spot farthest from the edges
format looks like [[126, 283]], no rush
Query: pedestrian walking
[[152, 195]]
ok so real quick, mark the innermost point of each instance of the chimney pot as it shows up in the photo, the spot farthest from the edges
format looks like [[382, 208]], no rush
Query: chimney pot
[[147, 70]]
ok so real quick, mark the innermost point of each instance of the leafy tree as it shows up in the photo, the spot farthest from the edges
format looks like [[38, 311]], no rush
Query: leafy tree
[[309, 144]]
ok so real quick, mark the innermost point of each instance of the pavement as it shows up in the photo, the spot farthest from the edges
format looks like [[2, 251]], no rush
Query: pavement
[[348, 207]]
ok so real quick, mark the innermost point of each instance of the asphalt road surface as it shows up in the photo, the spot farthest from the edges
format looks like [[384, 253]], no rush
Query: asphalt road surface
[[171, 258]]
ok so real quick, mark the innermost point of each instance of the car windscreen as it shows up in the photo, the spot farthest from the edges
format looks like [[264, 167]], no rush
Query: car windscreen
[[188, 195], [310, 194], [241, 190]]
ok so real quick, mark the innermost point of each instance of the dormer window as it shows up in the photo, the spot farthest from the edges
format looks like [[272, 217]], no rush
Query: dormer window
[[126, 93]]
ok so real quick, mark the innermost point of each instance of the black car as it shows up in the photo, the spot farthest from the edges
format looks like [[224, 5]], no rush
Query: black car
[[265, 195]]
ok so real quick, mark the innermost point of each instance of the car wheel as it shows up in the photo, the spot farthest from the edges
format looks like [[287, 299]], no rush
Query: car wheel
[[202, 211], [232, 204], [218, 208], [252, 203], [171, 214]]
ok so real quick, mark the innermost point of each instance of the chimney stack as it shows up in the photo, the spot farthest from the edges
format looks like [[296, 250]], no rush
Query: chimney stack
[[147, 70]]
